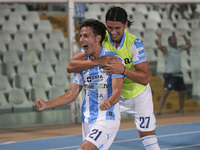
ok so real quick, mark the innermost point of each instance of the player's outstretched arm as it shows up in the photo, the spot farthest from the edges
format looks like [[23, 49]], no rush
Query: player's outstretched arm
[[114, 98], [63, 99]]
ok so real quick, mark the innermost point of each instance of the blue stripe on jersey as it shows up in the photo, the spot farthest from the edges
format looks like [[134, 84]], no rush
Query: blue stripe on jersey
[[93, 104], [138, 43], [110, 113], [83, 109]]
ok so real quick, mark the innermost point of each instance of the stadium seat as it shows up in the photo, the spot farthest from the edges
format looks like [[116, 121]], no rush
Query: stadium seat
[[151, 24], [33, 17], [137, 25], [167, 24], [138, 16], [45, 26], [5, 84], [5, 10], [11, 57], [150, 33], [35, 45], [27, 27], [186, 77], [61, 80], [16, 45], [52, 44], [21, 9], [57, 35], [9, 27], [8, 70], [36, 93], [5, 107], [31, 57], [49, 56], [40, 81], [22, 36], [154, 15], [22, 82], [63, 55], [54, 92], [26, 68], [16, 18], [2, 20], [19, 101], [160, 68], [38, 35], [142, 8], [150, 54], [2, 47], [44, 68], [61, 67], [5, 37], [182, 24]]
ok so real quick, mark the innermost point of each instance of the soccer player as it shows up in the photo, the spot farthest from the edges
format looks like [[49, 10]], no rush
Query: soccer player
[[100, 108], [136, 98]]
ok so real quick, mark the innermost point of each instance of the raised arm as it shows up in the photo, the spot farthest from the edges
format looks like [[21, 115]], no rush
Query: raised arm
[[187, 44], [160, 46], [63, 99], [114, 98]]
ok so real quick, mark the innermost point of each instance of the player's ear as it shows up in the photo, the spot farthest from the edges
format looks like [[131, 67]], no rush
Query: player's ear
[[98, 38], [126, 24]]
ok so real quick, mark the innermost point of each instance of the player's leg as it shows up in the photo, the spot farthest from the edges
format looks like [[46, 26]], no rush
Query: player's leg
[[170, 83], [181, 88], [87, 145], [101, 135], [145, 119], [162, 101]]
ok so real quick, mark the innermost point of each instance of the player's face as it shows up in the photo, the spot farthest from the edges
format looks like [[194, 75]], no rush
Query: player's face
[[88, 40], [116, 30], [173, 41]]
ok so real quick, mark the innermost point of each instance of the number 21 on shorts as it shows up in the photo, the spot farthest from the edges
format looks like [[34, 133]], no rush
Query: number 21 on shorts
[[95, 134]]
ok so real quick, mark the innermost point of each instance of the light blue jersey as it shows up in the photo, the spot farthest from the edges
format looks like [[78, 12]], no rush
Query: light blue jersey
[[98, 87]]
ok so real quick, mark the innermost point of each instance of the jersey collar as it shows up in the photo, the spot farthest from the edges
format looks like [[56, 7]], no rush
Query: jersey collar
[[121, 43]]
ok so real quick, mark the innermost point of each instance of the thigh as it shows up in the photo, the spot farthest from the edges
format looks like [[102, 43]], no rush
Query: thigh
[[144, 116], [102, 133], [180, 86], [170, 83]]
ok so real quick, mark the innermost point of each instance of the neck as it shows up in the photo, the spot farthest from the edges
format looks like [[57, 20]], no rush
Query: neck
[[95, 55]]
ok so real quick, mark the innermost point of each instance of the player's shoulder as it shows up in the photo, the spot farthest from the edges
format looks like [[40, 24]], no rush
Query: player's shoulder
[[109, 52], [132, 38]]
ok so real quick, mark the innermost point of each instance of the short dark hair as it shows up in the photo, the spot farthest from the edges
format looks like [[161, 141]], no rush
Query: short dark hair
[[169, 38], [116, 13], [98, 27]]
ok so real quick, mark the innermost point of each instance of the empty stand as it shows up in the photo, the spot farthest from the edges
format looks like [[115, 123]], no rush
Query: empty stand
[[41, 81], [26, 68], [5, 107], [19, 100]]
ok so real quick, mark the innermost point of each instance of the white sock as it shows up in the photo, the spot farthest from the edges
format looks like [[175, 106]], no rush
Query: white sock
[[150, 142]]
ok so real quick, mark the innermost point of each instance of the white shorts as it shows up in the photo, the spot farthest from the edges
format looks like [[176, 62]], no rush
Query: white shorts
[[101, 133], [141, 109]]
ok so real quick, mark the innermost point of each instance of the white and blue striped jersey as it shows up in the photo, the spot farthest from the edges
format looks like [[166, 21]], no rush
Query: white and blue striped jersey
[[98, 87]]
